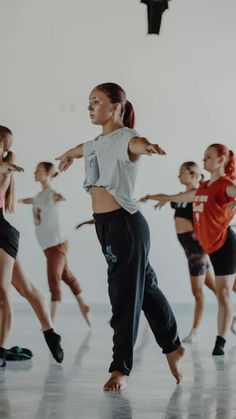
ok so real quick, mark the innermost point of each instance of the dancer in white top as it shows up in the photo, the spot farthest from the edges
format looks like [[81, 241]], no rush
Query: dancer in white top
[[52, 239]]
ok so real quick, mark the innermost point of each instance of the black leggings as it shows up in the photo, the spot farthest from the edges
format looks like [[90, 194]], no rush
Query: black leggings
[[132, 286]]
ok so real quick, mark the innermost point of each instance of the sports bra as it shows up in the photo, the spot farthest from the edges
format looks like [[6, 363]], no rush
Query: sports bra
[[183, 210]]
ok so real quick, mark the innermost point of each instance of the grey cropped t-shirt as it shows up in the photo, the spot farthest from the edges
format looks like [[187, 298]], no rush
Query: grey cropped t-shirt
[[107, 164]]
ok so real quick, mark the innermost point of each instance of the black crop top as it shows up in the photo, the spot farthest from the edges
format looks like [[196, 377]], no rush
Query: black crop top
[[183, 210]]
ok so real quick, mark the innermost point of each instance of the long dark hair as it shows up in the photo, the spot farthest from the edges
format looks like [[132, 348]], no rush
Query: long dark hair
[[9, 158], [117, 95]]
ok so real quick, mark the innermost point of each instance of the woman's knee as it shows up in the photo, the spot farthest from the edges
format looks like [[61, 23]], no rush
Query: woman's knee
[[55, 291], [224, 296], [198, 293]]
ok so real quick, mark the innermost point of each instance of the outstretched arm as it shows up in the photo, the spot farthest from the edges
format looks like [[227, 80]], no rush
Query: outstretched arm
[[57, 197], [67, 158], [140, 145], [25, 201], [162, 199], [84, 223]]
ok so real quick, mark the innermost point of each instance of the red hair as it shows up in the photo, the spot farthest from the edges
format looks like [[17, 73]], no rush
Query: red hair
[[230, 167]]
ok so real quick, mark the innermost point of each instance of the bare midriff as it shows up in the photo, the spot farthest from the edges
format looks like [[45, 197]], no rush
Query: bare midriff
[[103, 201], [182, 225]]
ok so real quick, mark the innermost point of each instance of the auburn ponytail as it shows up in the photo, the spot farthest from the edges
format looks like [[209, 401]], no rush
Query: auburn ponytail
[[129, 116], [230, 168]]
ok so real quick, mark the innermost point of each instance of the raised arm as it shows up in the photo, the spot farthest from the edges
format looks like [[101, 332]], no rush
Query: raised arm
[[6, 169], [67, 158], [140, 145]]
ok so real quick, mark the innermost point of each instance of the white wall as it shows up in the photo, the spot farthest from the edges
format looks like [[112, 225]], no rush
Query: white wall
[[182, 84]]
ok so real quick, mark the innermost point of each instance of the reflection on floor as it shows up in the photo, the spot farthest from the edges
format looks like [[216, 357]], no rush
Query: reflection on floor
[[42, 389]]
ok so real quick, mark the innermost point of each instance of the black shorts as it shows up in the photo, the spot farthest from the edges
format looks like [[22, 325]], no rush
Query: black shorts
[[198, 261], [224, 259], [9, 237]]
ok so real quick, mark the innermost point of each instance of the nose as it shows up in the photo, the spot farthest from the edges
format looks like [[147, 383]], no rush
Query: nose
[[90, 108]]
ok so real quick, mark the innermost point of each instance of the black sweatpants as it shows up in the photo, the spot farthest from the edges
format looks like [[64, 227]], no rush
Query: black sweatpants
[[132, 286]]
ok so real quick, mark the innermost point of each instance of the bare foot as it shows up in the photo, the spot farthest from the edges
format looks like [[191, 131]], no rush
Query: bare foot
[[85, 310], [173, 359], [116, 382]]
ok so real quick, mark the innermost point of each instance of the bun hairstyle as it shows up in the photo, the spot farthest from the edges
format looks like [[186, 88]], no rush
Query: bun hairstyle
[[193, 167], [8, 157], [49, 168], [117, 95], [230, 166]]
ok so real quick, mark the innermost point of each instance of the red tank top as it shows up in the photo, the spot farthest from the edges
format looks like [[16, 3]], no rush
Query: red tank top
[[211, 215]]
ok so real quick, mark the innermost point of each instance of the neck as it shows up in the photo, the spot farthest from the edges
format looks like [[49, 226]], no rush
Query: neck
[[45, 185], [111, 126], [216, 174]]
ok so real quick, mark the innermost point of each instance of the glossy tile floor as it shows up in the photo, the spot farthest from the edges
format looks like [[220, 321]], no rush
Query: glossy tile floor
[[43, 389]]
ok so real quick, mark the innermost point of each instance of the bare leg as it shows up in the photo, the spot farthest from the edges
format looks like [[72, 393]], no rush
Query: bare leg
[[224, 286], [210, 280], [197, 283], [54, 309], [173, 361], [6, 267], [84, 308], [116, 382], [27, 290], [233, 325], [234, 286]]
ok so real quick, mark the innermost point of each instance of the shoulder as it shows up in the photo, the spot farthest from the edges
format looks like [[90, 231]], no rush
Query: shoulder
[[88, 146], [129, 132], [226, 181]]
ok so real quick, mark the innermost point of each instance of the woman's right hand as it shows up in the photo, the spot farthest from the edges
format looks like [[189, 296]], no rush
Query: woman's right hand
[[6, 168], [162, 200], [65, 161]]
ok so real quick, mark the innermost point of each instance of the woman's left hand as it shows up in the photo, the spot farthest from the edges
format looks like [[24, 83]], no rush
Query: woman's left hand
[[162, 200], [65, 162], [154, 149]]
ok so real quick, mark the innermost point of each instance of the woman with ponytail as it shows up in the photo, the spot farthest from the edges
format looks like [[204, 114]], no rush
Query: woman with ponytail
[[9, 237], [212, 212], [111, 166], [49, 233], [200, 269]]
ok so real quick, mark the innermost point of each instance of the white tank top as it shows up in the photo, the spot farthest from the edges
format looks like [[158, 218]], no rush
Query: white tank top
[[48, 228]]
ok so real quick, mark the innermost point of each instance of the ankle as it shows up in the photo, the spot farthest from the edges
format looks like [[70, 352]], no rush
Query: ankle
[[2, 352], [117, 374]]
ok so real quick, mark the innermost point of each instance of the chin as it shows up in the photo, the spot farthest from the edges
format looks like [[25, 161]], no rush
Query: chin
[[94, 122]]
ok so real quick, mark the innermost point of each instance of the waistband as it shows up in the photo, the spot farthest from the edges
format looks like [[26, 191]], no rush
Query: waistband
[[185, 235], [111, 215]]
